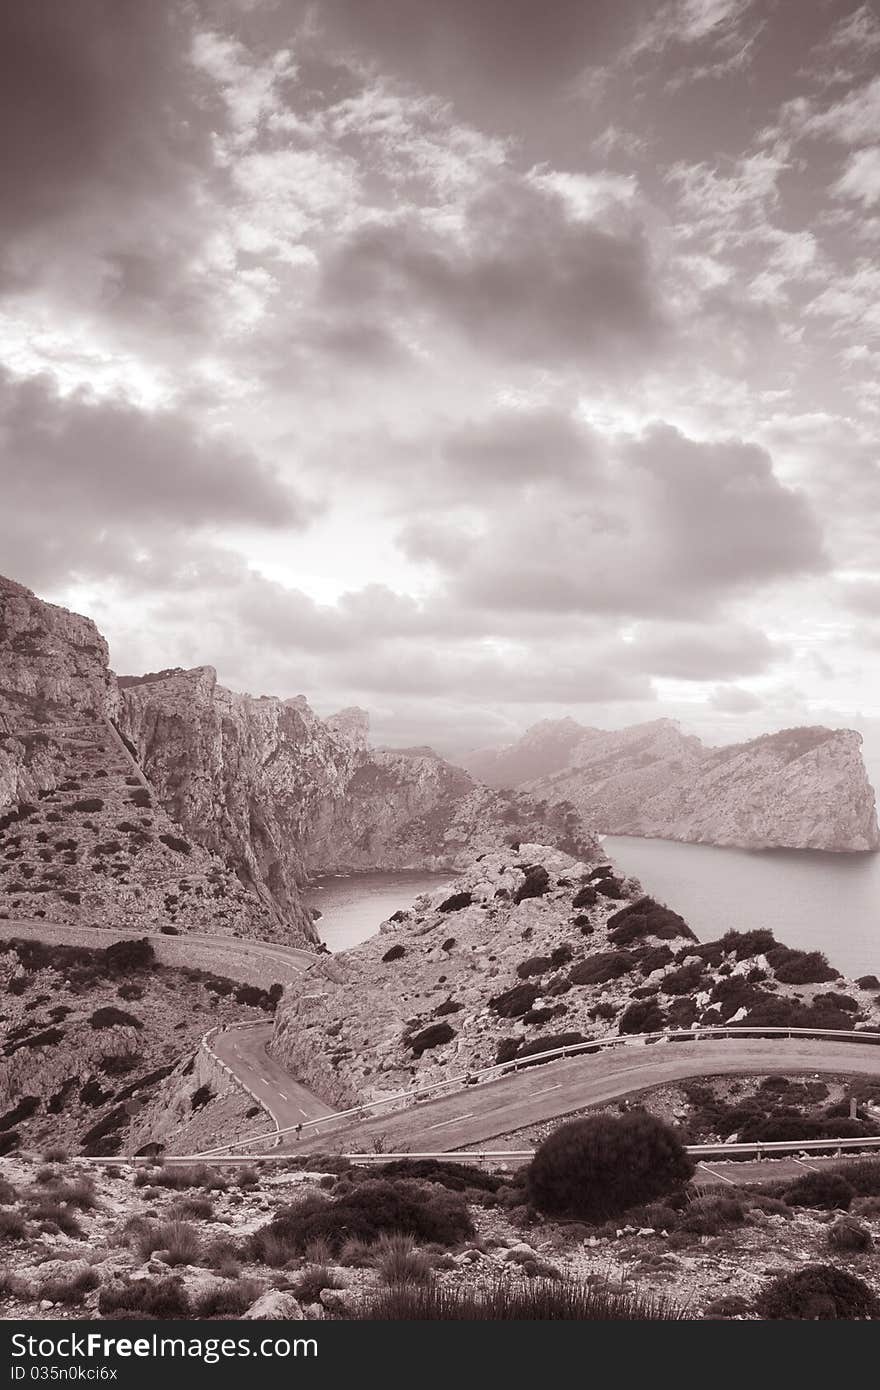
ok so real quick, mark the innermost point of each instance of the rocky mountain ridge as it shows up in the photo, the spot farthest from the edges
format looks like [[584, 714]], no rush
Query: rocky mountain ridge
[[801, 788]]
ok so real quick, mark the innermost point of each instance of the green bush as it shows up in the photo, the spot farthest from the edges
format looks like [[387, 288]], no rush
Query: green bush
[[597, 1167], [817, 1292]]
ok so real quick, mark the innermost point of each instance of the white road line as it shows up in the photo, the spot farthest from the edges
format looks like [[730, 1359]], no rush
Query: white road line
[[804, 1163], [303, 1113], [282, 1095], [714, 1174], [548, 1089], [454, 1121], [264, 1081]]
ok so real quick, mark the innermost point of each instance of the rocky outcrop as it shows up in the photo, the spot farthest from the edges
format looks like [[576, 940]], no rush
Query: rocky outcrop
[[526, 952], [410, 809], [803, 788]]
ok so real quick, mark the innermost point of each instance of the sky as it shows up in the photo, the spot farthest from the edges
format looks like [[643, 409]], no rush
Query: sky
[[472, 363]]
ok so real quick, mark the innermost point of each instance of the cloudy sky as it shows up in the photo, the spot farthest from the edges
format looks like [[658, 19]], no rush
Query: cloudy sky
[[472, 362]]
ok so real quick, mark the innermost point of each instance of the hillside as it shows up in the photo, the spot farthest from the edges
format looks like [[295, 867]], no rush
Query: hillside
[[804, 788], [527, 948]]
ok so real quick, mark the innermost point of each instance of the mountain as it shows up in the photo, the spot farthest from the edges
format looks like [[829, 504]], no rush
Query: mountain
[[803, 788], [169, 801]]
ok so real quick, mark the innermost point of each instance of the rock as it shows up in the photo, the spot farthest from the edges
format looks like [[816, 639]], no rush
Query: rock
[[520, 1254], [274, 1306], [340, 1302]]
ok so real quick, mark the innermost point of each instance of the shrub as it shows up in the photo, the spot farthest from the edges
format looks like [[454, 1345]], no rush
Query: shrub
[[124, 956], [312, 1283], [70, 1291], [800, 967], [686, 980], [435, 1035], [373, 1208], [534, 885], [12, 1225], [456, 902], [201, 1097], [868, 982], [192, 1209], [394, 952], [449, 1006], [729, 1305], [109, 1017], [535, 965], [601, 967], [151, 1298], [585, 897], [458, 1177], [645, 917], [708, 1216], [181, 1241], [610, 887], [595, 1168], [548, 1043], [863, 1176], [827, 1191], [397, 1261], [226, 1301], [845, 1235], [176, 843], [88, 803], [644, 1016], [515, 1002], [509, 1299], [179, 1177], [817, 1292]]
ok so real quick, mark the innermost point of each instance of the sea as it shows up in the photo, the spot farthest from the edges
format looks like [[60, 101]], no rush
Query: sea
[[809, 899]]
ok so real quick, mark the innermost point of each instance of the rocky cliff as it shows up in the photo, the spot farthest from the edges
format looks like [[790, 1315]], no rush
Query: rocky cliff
[[527, 952], [804, 788]]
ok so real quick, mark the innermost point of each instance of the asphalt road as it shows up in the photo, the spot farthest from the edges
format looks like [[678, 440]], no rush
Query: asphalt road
[[476, 1114], [244, 1050], [251, 961]]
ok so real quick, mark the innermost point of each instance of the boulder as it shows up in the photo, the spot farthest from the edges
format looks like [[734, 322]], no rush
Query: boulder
[[274, 1306]]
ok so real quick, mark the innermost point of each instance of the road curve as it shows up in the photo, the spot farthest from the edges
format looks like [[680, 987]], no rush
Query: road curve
[[475, 1114], [244, 1052], [238, 958]]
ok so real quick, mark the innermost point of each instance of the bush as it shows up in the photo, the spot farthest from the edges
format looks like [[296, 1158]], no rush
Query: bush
[[394, 952], [708, 1216], [585, 897], [827, 1191], [181, 1241], [435, 1035], [124, 956], [644, 1016], [227, 1301], [176, 843], [456, 902], [88, 803], [458, 1177], [312, 1283], [646, 918], [449, 1006], [515, 1002], [373, 1208], [686, 980], [510, 1299], [817, 1292], [179, 1177], [846, 1234], [601, 967], [534, 885], [398, 1262], [535, 965], [147, 1298], [800, 967], [109, 1017], [70, 1291], [595, 1168], [868, 982]]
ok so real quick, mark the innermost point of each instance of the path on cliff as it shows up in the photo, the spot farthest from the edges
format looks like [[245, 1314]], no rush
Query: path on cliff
[[244, 1051], [250, 961], [475, 1114]]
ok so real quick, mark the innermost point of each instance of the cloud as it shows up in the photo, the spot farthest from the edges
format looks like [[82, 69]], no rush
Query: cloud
[[732, 699], [100, 480], [860, 179], [673, 527], [689, 652]]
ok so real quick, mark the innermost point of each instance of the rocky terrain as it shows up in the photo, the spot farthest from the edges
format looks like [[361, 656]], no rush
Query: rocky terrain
[[84, 1242], [101, 1048], [530, 948], [803, 788]]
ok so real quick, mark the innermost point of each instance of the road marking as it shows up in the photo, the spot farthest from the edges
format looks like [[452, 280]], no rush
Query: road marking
[[264, 1081], [714, 1174], [548, 1089], [303, 1113], [804, 1163], [454, 1121], [282, 1095]]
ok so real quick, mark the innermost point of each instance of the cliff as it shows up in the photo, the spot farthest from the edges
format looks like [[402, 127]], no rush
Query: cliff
[[83, 836], [527, 952], [804, 788]]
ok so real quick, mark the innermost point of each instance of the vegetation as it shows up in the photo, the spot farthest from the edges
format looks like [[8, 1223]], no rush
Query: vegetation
[[596, 1167], [510, 1299], [817, 1292]]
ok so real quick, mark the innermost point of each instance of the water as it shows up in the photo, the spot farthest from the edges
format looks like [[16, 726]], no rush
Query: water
[[809, 899], [354, 906]]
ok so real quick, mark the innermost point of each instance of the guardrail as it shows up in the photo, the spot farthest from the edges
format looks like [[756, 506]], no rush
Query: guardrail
[[403, 1098]]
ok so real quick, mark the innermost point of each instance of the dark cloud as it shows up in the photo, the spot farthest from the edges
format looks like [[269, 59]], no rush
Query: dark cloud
[[718, 652], [102, 122], [527, 282], [675, 527], [93, 486]]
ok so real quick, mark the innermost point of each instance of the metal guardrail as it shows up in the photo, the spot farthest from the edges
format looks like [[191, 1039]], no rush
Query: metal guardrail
[[485, 1074]]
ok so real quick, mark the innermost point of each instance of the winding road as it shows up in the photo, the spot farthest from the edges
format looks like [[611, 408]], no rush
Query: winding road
[[238, 958], [244, 1051], [492, 1109]]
